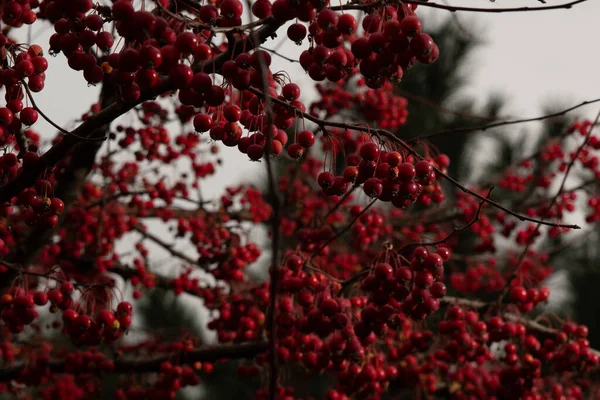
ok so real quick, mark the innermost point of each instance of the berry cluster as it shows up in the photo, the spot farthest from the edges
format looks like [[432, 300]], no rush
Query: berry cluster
[[23, 65], [415, 285], [38, 206], [391, 43]]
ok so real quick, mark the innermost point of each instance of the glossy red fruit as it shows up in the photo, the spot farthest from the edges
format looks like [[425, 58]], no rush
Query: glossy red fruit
[[297, 32], [124, 308], [255, 152], [306, 139], [187, 42], [518, 294], [295, 151], [347, 24], [383, 271], [181, 75], [373, 187], [410, 25], [369, 151], [28, 116], [202, 122]]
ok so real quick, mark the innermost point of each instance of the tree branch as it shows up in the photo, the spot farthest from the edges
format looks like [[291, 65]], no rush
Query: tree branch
[[128, 365], [450, 8], [503, 123], [393, 138]]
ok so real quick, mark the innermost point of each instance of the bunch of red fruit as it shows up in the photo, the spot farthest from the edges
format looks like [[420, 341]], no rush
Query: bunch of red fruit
[[38, 206]]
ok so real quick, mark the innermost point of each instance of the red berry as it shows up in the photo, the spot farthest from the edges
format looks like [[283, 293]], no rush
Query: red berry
[[369, 151], [306, 139], [518, 294], [202, 122], [383, 271], [124, 308], [28, 116], [373, 187], [410, 25], [438, 290]]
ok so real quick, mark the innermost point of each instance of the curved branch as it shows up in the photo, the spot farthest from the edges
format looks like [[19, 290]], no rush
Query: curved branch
[[504, 123], [393, 138], [454, 230]]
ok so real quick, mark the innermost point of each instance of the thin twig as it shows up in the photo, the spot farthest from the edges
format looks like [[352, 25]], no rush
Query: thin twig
[[169, 248], [276, 205], [393, 138], [340, 233], [148, 364], [340, 202], [274, 52], [503, 123], [422, 3], [55, 125], [454, 230]]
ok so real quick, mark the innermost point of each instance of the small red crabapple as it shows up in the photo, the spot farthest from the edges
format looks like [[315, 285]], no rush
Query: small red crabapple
[[306, 139]]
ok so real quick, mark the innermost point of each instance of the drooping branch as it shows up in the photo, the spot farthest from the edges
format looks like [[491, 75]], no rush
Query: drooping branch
[[390, 136]]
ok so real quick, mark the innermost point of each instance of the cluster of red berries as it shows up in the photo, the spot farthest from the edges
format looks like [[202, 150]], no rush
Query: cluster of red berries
[[18, 309], [241, 316], [108, 326], [228, 13], [416, 285], [392, 42], [17, 13], [369, 340], [171, 379], [38, 206], [79, 234], [226, 123], [383, 175], [369, 227], [27, 63], [384, 108]]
